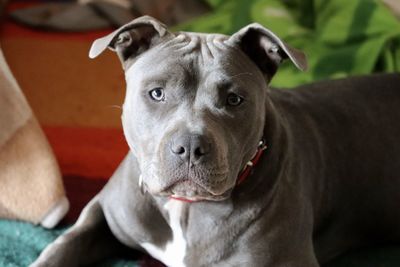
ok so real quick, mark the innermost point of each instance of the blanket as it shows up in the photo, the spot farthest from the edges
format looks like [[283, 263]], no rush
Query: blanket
[[22, 242]]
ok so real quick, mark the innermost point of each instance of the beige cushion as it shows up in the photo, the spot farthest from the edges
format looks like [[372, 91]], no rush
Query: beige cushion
[[31, 187]]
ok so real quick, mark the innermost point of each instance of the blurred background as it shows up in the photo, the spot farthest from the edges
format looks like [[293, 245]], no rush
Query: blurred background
[[77, 100]]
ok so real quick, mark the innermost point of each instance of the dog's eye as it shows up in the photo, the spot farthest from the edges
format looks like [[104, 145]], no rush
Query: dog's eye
[[157, 94], [234, 99]]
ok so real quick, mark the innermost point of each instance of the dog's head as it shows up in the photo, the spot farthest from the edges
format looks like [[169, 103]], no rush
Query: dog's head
[[195, 104]]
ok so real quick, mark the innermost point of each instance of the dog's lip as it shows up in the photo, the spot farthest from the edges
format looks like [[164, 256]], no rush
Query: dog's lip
[[199, 198], [189, 199], [196, 199], [206, 195]]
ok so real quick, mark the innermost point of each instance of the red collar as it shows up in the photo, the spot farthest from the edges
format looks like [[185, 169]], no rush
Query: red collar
[[252, 163], [245, 173]]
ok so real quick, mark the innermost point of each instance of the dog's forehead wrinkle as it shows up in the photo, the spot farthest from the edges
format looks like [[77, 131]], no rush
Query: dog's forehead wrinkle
[[209, 50], [204, 47], [206, 44]]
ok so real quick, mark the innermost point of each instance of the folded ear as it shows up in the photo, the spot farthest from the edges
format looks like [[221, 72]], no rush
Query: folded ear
[[266, 49], [131, 39]]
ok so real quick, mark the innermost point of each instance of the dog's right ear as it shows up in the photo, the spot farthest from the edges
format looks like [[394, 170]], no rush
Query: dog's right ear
[[131, 39], [266, 49]]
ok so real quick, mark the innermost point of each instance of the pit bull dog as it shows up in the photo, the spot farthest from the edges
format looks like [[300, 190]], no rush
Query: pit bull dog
[[225, 171]]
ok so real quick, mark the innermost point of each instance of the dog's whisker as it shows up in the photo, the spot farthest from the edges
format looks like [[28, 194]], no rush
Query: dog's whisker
[[240, 74]]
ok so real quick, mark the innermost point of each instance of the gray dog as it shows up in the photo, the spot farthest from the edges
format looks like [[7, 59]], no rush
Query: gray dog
[[224, 171]]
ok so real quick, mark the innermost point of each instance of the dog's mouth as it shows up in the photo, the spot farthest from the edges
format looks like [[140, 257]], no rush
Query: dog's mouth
[[190, 191]]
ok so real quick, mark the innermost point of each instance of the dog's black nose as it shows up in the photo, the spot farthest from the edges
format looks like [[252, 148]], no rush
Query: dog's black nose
[[190, 147]]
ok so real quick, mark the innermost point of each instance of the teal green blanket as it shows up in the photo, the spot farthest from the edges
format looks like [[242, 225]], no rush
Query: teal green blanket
[[21, 243]]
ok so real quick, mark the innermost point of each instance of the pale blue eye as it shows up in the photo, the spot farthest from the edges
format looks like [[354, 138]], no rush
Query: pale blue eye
[[157, 94], [234, 100]]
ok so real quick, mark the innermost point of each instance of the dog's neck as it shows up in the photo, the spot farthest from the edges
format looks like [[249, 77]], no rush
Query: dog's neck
[[271, 162]]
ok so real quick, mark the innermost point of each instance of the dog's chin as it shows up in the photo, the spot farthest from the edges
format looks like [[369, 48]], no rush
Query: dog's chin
[[192, 192]]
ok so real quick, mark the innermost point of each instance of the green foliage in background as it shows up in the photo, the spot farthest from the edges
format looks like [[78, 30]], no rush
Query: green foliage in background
[[340, 37]]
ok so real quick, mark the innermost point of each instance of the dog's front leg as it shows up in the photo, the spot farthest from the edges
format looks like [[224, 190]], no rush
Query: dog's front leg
[[88, 241]]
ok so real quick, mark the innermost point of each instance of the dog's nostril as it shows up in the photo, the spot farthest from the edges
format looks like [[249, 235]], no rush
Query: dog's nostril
[[198, 152], [179, 150]]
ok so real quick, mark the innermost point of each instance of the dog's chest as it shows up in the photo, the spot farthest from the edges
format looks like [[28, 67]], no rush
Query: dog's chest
[[173, 253]]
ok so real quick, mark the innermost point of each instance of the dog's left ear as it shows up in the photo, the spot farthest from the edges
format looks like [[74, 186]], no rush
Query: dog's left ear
[[266, 49], [131, 39]]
